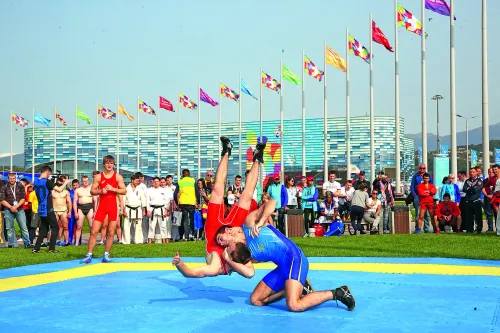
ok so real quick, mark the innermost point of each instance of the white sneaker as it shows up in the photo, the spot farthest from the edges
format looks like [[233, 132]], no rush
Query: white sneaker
[[101, 243], [20, 240], [305, 235]]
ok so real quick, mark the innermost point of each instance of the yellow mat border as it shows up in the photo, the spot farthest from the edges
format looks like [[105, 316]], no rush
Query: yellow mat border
[[27, 281]]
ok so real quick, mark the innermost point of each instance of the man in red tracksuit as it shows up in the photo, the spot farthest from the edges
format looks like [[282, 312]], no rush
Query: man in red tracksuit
[[448, 214], [426, 192]]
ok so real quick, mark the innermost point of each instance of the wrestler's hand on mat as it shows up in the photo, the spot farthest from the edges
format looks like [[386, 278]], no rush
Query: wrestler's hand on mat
[[176, 260]]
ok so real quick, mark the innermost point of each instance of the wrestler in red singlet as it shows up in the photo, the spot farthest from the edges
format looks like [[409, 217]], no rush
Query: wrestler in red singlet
[[107, 201]]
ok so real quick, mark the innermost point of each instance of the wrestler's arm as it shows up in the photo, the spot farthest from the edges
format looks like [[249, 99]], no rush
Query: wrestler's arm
[[121, 186], [246, 270], [75, 202], [213, 269], [69, 203], [61, 188], [94, 189]]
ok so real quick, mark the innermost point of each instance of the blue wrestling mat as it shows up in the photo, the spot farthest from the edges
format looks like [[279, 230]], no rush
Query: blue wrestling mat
[[149, 295]]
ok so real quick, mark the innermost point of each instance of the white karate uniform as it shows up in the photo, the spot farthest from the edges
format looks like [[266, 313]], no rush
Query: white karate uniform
[[135, 201], [145, 219], [158, 204]]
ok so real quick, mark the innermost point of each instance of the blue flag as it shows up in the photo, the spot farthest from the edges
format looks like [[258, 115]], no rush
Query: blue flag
[[41, 119], [246, 90]]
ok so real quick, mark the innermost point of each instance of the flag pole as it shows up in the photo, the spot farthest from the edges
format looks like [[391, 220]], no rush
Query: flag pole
[[220, 118], [199, 132], [158, 137], [304, 171], [347, 107], [260, 106], [32, 139], [240, 144], [179, 139], [453, 110], [76, 141], [424, 108], [397, 159], [32, 150], [325, 120], [55, 139], [486, 133], [97, 140], [118, 138], [282, 148], [372, 111], [138, 138]]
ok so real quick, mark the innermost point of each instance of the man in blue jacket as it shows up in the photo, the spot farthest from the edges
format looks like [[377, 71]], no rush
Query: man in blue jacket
[[415, 180], [279, 193]]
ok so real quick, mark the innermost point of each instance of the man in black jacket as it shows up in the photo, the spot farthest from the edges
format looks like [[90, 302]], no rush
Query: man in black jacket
[[362, 180], [473, 205]]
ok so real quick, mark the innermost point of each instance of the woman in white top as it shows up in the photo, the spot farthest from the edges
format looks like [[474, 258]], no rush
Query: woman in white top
[[372, 214], [292, 191]]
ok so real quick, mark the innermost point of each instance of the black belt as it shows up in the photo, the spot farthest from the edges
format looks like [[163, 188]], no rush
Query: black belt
[[155, 208], [130, 209]]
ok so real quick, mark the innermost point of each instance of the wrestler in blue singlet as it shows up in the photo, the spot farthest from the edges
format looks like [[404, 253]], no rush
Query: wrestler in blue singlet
[[271, 245]]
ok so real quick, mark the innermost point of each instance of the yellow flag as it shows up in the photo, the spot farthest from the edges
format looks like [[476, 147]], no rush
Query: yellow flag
[[335, 59], [122, 110]]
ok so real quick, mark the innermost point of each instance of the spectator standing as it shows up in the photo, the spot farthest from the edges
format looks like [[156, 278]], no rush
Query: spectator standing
[[292, 192], [462, 177], [333, 186], [425, 192], [187, 193], [35, 219], [415, 181], [257, 193], [345, 199], [209, 175], [12, 198], [447, 215], [236, 189], [28, 211], [372, 214], [376, 182], [386, 197], [358, 206], [300, 187], [145, 220], [203, 199], [495, 200], [278, 192], [362, 180], [309, 204], [451, 188], [473, 205], [133, 211], [488, 190], [157, 208]]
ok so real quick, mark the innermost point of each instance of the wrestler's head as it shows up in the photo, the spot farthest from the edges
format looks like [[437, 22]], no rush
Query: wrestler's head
[[85, 181], [227, 235], [109, 162], [239, 252]]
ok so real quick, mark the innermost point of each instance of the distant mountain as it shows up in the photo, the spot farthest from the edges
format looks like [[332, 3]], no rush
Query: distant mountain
[[475, 137], [17, 160]]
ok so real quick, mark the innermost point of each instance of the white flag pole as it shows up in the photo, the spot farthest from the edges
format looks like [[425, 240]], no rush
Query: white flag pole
[[76, 141], [304, 171], [179, 139], [325, 120], [32, 150], [282, 148], [372, 111], [423, 92], [347, 106], [240, 144], [118, 138], [486, 132], [33, 140], [97, 139], [397, 159], [158, 157], [199, 132], [138, 138], [453, 110], [55, 137]]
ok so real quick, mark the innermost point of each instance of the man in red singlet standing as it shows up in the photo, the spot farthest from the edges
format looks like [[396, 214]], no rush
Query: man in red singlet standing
[[107, 185], [216, 264]]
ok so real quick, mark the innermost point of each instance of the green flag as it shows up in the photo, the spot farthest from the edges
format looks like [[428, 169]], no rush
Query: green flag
[[290, 76], [82, 116]]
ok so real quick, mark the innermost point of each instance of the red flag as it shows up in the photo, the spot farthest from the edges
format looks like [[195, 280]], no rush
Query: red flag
[[379, 37], [165, 104]]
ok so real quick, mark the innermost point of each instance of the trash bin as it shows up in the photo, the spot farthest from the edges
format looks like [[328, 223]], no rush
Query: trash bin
[[401, 219], [294, 223]]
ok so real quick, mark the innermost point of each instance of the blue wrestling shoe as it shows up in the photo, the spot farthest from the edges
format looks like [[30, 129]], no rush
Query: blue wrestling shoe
[[417, 231], [106, 258], [87, 259]]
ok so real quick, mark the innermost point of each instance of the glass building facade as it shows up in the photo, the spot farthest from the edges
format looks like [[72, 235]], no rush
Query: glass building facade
[[148, 140]]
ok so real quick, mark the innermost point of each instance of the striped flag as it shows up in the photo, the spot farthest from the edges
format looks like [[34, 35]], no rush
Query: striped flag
[[41, 119], [335, 59], [106, 113], [228, 92], [146, 108], [21, 121], [63, 122], [186, 102], [122, 110], [312, 70], [246, 90], [165, 104]]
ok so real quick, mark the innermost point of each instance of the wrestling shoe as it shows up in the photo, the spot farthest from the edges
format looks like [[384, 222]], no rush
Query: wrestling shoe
[[227, 146], [106, 258], [87, 259], [343, 294], [258, 153], [307, 288]]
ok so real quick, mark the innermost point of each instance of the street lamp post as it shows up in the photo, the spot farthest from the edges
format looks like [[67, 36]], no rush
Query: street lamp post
[[437, 98], [466, 139]]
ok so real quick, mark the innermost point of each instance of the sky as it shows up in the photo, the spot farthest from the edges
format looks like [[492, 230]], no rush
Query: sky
[[62, 53]]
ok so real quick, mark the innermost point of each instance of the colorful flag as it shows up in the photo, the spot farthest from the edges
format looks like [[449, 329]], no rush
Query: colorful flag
[[165, 104], [41, 119], [228, 92], [124, 112], [410, 22], [312, 70], [207, 99], [63, 122], [246, 90], [358, 50], [269, 82], [80, 114], [186, 102], [438, 6], [379, 37], [146, 108], [290, 76], [335, 59], [106, 113], [19, 120]]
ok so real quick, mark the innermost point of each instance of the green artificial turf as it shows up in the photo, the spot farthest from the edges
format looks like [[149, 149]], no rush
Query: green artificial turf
[[471, 246]]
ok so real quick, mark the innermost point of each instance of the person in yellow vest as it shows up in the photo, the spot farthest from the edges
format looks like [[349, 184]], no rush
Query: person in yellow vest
[[186, 195], [35, 219]]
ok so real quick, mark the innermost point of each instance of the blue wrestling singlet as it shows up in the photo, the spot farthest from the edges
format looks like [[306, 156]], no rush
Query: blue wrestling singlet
[[272, 245]]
